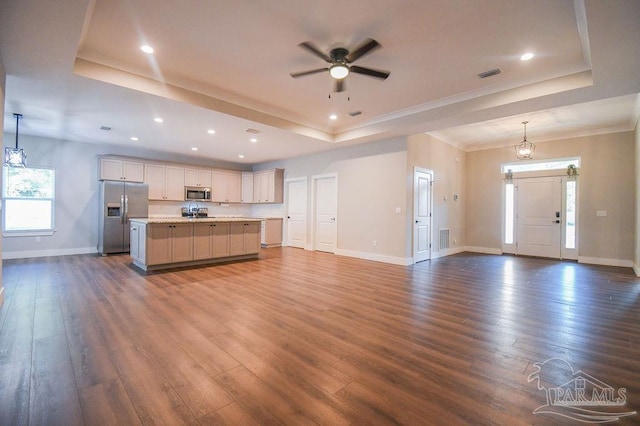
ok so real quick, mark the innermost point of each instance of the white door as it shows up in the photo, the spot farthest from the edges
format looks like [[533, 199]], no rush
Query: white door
[[296, 221], [539, 212], [421, 215], [326, 208]]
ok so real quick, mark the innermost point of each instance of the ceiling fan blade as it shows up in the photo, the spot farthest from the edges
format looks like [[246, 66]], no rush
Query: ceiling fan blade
[[367, 46], [370, 72], [303, 73], [313, 49], [340, 85]]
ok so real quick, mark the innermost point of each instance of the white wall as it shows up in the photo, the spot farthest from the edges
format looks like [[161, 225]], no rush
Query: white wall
[[3, 76], [76, 206]]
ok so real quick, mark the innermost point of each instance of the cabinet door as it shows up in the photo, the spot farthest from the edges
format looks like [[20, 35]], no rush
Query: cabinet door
[[159, 244], [219, 186], [133, 171], [234, 187], [257, 187], [174, 183], [220, 239], [197, 177], [154, 177], [202, 241], [270, 195], [247, 187], [110, 169], [236, 238], [182, 242], [134, 242], [251, 237]]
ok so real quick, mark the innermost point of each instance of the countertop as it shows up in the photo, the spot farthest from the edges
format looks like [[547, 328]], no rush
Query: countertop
[[193, 220]]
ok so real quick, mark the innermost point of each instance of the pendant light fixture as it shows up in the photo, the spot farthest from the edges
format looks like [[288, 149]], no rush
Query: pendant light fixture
[[15, 157], [524, 150]]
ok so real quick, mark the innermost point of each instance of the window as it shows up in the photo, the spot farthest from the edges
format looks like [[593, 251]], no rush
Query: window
[[28, 195], [508, 214], [570, 215], [536, 166]]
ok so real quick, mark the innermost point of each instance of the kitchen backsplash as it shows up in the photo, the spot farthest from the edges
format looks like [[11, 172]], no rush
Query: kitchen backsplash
[[168, 209]]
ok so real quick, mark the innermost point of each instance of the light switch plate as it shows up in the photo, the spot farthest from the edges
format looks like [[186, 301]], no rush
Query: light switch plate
[[398, 210], [601, 213]]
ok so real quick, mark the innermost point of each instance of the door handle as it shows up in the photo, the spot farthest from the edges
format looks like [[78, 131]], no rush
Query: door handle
[[333, 219], [288, 217], [122, 209], [556, 221]]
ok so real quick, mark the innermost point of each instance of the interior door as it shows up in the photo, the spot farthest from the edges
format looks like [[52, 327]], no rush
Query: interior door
[[297, 213], [326, 207], [539, 212], [422, 216]]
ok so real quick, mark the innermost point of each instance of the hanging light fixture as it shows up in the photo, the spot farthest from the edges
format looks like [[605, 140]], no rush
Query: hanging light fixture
[[15, 157], [524, 150]]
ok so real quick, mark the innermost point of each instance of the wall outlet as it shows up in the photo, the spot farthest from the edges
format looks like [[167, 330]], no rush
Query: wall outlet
[[398, 210], [375, 243], [601, 213], [38, 239]]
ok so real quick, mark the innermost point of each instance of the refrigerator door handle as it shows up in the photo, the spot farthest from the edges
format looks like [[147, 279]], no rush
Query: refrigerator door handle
[[126, 209], [122, 209]]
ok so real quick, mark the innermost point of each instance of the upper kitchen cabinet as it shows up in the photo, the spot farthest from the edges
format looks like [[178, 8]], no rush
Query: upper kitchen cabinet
[[247, 187], [166, 183], [268, 186], [226, 186], [120, 169], [197, 177]]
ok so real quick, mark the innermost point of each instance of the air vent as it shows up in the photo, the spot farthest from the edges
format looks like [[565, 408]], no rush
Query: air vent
[[444, 238], [254, 131], [107, 128], [355, 113], [490, 73]]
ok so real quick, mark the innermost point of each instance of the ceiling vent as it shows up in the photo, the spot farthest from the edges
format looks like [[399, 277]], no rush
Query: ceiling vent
[[355, 113], [107, 128], [490, 73], [254, 131]]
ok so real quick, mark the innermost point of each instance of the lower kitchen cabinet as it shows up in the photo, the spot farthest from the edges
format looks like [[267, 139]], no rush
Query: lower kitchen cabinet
[[169, 243], [244, 238], [210, 240]]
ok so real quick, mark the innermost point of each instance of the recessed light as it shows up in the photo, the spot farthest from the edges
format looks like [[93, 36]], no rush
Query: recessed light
[[194, 148], [211, 132], [254, 140], [333, 117], [526, 56], [146, 49], [158, 120], [133, 138], [240, 156]]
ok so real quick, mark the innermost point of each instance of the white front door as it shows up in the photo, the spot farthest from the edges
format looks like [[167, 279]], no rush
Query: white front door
[[539, 213], [296, 213], [421, 215], [326, 209]]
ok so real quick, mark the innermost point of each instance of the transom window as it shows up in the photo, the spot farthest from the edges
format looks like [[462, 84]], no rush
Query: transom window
[[541, 165]]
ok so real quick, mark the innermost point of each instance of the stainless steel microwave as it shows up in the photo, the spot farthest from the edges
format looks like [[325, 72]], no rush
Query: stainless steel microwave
[[197, 193]]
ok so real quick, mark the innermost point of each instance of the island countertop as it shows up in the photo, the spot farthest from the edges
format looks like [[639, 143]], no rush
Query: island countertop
[[153, 220]]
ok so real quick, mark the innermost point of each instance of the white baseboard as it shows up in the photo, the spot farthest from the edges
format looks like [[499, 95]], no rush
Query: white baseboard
[[404, 261], [47, 253], [636, 269], [485, 250], [447, 252], [607, 262]]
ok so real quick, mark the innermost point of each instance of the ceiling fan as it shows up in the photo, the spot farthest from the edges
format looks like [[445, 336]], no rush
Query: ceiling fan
[[341, 62]]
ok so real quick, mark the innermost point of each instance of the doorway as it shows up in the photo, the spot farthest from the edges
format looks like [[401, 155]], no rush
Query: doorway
[[422, 216], [296, 212], [325, 208]]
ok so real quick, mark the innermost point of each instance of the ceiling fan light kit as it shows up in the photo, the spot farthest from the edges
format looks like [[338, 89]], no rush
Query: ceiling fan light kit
[[340, 60]]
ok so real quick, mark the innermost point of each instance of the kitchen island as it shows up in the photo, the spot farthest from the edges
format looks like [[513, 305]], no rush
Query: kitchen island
[[160, 243]]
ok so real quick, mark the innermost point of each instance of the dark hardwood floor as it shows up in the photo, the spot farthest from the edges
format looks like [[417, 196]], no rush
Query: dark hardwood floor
[[310, 338]]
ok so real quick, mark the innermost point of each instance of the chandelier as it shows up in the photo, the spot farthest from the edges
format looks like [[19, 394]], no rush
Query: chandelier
[[524, 150], [15, 157]]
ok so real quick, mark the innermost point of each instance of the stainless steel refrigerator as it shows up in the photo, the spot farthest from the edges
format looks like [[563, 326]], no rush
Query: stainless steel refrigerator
[[119, 201]]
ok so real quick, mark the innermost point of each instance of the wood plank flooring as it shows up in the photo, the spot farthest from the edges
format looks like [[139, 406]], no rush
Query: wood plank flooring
[[301, 337]]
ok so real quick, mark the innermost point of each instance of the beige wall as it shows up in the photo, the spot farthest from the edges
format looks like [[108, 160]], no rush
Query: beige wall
[[371, 184], [449, 167], [636, 259], [606, 182]]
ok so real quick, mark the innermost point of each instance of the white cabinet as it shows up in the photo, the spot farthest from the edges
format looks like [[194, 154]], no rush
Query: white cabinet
[[197, 177], [226, 186], [120, 169], [244, 238], [268, 186], [165, 182], [247, 187], [137, 240], [271, 232]]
